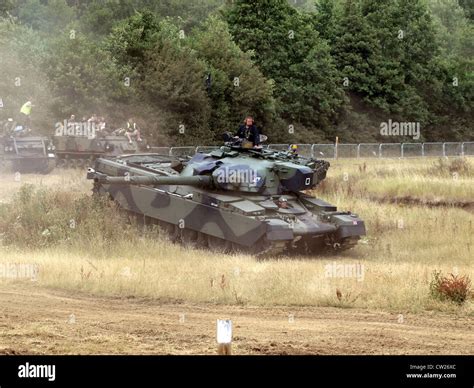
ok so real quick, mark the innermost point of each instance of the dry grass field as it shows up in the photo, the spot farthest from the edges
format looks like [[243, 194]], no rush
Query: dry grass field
[[419, 216]]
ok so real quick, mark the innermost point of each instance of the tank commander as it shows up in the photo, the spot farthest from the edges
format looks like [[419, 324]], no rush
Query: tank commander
[[249, 131]]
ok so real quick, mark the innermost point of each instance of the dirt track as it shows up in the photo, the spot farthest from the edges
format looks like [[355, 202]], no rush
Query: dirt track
[[35, 320]]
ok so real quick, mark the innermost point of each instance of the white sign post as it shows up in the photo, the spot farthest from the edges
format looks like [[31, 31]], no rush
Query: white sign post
[[224, 336]]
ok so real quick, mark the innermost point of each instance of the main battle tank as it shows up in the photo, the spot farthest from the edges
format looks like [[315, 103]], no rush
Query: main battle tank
[[234, 199]]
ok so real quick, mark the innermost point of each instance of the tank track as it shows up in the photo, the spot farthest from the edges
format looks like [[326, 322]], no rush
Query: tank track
[[263, 248], [75, 163]]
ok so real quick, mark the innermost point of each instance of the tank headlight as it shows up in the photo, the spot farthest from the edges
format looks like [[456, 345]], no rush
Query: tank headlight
[[11, 149]]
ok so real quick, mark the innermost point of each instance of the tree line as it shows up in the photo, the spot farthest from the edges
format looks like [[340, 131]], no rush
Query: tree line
[[186, 71]]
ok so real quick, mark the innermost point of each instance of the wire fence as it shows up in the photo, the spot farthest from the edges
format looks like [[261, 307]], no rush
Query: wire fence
[[361, 150]]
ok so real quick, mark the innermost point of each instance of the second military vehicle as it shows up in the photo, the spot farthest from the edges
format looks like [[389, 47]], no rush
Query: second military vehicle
[[77, 151], [25, 151]]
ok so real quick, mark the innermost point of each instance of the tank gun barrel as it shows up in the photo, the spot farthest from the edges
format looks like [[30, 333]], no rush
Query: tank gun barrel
[[197, 180]]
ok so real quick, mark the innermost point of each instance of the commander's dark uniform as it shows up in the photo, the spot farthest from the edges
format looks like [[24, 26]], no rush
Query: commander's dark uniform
[[250, 133]]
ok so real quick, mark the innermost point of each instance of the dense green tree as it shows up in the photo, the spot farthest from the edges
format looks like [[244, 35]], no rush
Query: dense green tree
[[291, 53], [453, 30], [304, 5], [21, 52], [99, 17], [355, 48], [324, 18], [238, 88], [190, 13], [386, 50], [325, 68], [131, 39], [50, 16], [6, 6], [173, 82], [455, 63], [468, 7], [80, 76], [166, 77]]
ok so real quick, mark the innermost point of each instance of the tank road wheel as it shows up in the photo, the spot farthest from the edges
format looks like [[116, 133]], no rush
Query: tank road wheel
[[80, 163], [301, 247], [259, 248], [48, 166], [172, 231], [136, 219], [90, 162], [349, 242], [70, 163], [189, 238], [201, 240], [218, 245], [333, 244], [97, 189]]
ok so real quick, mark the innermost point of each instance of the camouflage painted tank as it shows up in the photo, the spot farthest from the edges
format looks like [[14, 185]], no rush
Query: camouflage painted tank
[[232, 199], [26, 152]]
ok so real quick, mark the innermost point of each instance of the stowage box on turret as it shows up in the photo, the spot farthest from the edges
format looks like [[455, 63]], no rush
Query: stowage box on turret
[[233, 199]]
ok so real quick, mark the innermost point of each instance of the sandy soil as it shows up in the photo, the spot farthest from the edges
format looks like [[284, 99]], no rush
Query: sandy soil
[[36, 320]]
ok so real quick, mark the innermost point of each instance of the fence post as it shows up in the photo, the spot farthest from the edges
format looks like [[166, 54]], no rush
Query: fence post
[[402, 150], [358, 151], [444, 150], [462, 149], [423, 150], [380, 150]]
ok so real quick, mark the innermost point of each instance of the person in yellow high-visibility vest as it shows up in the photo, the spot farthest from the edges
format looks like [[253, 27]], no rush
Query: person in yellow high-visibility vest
[[132, 130], [26, 113]]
